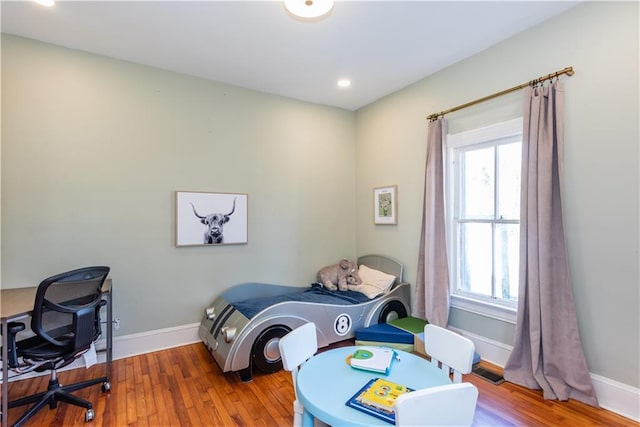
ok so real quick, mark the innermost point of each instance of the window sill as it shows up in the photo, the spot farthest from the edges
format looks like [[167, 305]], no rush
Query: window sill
[[486, 309]]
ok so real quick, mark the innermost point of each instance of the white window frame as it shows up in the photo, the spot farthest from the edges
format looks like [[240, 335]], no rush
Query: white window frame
[[510, 130]]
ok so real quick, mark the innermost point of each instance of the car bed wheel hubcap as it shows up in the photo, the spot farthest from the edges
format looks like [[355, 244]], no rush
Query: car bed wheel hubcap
[[272, 351]]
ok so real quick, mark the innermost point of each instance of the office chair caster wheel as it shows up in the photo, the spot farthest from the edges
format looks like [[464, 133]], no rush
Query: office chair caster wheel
[[106, 386], [89, 415]]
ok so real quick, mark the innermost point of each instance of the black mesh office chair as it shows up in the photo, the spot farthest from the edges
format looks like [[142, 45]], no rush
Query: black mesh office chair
[[65, 320]]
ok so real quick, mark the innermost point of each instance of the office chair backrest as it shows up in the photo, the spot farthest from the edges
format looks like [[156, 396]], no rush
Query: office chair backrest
[[446, 405], [450, 349], [64, 312]]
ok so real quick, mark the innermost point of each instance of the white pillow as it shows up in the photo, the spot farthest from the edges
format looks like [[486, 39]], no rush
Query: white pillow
[[374, 282], [369, 290]]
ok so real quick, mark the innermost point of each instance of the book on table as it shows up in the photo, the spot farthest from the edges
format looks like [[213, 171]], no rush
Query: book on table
[[375, 359], [377, 398]]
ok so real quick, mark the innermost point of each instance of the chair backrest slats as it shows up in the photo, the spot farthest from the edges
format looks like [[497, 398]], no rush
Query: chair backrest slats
[[449, 349]]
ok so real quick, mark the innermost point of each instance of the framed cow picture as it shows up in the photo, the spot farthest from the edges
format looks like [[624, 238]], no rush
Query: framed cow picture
[[209, 219]]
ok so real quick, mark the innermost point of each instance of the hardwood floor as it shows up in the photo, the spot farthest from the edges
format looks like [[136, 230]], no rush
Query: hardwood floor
[[184, 387]]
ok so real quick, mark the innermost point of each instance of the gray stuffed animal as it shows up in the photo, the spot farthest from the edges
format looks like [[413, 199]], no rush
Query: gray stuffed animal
[[338, 276]]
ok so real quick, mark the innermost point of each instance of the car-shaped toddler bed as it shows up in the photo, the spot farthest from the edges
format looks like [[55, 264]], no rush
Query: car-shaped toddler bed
[[242, 327]]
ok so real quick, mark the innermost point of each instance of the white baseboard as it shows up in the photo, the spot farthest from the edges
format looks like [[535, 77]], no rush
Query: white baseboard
[[612, 395], [133, 345], [617, 397], [161, 339]]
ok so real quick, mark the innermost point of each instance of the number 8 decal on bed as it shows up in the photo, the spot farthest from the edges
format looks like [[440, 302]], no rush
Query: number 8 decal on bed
[[342, 324]]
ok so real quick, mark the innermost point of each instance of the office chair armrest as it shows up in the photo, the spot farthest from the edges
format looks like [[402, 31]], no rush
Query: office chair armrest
[[98, 321], [14, 329]]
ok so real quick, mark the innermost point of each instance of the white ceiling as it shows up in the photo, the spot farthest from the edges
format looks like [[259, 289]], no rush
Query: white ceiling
[[382, 46]]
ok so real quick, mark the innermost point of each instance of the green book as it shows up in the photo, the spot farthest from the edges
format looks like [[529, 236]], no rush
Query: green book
[[409, 324]]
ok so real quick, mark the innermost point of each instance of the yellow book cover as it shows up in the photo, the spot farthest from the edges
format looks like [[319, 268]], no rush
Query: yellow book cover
[[382, 394]]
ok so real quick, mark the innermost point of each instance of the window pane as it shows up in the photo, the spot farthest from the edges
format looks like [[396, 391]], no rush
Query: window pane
[[509, 159], [507, 240], [478, 184], [483, 215], [475, 258]]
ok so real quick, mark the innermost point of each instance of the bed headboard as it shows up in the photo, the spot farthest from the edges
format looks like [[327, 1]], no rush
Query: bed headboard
[[383, 263]]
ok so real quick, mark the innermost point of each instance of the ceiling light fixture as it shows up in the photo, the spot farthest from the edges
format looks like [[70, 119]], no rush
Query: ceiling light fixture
[[309, 8], [344, 83], [47, 3]]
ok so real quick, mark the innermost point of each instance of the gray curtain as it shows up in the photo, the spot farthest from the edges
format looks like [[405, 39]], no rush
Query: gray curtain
[[547, 352], [432, 283]]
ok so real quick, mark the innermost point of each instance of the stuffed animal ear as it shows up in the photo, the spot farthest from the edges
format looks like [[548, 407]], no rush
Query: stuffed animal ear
[[345, 264]]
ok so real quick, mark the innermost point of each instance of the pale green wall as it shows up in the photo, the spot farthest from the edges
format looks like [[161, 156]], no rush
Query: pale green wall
[[93, 150], [601, 182]]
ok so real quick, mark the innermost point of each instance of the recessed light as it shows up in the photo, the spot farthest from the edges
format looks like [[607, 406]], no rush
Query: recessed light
[[47, 3], [344, 83]]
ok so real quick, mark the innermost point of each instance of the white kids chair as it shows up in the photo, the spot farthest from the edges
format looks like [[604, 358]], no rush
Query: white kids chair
[[450, 350], [297, 347], [446, 405]]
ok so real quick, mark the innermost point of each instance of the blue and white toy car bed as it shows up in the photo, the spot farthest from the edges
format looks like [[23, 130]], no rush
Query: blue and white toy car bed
[[242, 327]]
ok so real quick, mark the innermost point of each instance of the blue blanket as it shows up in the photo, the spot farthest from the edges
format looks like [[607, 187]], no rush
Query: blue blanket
[[315, 294]]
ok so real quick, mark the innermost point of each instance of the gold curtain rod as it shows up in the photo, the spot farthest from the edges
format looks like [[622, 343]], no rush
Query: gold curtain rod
[[568, 71]]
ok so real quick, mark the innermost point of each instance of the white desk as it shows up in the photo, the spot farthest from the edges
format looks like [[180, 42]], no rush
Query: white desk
[[17, 304], [326, 382]]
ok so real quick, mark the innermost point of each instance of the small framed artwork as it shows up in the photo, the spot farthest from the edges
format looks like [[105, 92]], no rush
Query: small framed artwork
[[210, 218], [385, 205]]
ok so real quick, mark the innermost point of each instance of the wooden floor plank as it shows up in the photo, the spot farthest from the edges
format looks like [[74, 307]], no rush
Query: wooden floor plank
[[185, 387]]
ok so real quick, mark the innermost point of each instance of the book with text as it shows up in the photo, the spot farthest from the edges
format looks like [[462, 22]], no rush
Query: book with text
[[377, 398]]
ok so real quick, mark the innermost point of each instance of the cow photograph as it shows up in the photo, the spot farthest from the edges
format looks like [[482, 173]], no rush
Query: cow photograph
[[210, 218]]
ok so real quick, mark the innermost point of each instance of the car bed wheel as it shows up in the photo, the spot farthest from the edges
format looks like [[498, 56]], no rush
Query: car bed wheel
[[392, 311], [265, 353]]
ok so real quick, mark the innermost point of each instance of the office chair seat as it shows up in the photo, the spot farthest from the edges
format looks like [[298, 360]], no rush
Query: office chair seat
[[45, 356], [66, 321]]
